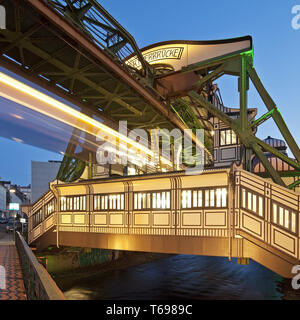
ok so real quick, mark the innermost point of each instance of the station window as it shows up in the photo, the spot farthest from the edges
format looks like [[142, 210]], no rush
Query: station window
[[49, 208], [73, 203], [284, 217], [142, 200], [252, 202], [109, 202], [37, 218], [161, 200], [208, 198], [152, 200], [227, 137]]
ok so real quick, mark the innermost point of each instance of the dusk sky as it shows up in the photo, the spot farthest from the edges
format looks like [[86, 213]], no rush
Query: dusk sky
[[276, 49]]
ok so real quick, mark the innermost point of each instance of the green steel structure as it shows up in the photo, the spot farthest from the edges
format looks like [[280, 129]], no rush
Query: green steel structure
[[77, 50]]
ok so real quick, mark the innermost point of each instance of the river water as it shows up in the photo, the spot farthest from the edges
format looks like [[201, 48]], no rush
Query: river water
[[182, 277]]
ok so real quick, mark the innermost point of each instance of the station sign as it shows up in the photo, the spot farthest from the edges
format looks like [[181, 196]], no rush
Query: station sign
[[180, 54]]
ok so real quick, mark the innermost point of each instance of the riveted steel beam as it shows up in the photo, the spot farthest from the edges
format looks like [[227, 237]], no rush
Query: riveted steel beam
[[268, 166], [276, 115]]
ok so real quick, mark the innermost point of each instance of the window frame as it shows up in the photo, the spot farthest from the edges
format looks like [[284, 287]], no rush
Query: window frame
[[72, 197], [203, 189], [107, 195], [227, 144], [290, 211], [151, 200], [257, 202], [35, 222], [46, 206]]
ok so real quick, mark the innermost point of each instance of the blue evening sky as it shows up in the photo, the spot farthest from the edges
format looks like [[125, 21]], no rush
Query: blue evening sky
[[276, 45]]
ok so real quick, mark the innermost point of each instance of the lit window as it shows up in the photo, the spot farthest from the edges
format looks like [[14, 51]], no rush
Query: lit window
[[163, 200], [244, 198], [286, 219], [195, 199], [49, 208], [135, 201], [148, 200], [206, 198], [223, 138], [281, 216], [200, 198], [183, 199], [261, 206], [218, 198], [254, 202], [227, 137], [274, 212], [249, 201], [187, 199], [107, 202], [293, 222], [158, 200], [168, 202], [212, 198], [224, 197], [154, 201]]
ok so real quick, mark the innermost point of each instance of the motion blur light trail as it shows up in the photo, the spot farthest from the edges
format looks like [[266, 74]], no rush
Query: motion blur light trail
[[33, 99]]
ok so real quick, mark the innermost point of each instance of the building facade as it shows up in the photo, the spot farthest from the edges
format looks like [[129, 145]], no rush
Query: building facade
[[42, 173]]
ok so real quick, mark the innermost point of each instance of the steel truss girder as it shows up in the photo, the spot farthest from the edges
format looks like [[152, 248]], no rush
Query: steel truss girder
[[242, 126], [127, 99], [276, 115]]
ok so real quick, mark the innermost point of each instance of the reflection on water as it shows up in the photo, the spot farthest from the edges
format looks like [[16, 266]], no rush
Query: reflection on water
[[182, 277]]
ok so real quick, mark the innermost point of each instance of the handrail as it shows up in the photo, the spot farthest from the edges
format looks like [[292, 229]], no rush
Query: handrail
[[38, 283]]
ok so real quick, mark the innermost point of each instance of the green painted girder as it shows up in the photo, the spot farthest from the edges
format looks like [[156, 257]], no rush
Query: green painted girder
[[276, 115], [185, 113], [242, 66], [232, 63], [246, 137], [94, 20], [276, 153], [266, 163], [71, 169], [262, 119], [294, 184], [212, 76]]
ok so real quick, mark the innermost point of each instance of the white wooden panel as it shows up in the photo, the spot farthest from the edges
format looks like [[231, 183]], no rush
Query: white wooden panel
[[216, 219], [191, 219], [66, 218], [161, 219], [100, 219], [116, 219], [141, 219], [79, 218]]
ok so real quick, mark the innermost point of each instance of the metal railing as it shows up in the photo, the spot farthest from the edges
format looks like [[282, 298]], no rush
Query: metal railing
[[38, 283]]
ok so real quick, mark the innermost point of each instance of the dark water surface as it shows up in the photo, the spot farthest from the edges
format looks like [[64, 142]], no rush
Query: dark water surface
[[182, 277]]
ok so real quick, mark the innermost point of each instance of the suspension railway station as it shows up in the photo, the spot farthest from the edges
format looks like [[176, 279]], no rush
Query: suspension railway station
[[244, 204]]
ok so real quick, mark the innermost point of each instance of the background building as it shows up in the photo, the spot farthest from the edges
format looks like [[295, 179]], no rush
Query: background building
[[3, 202], [10, 193], [42, 173]]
